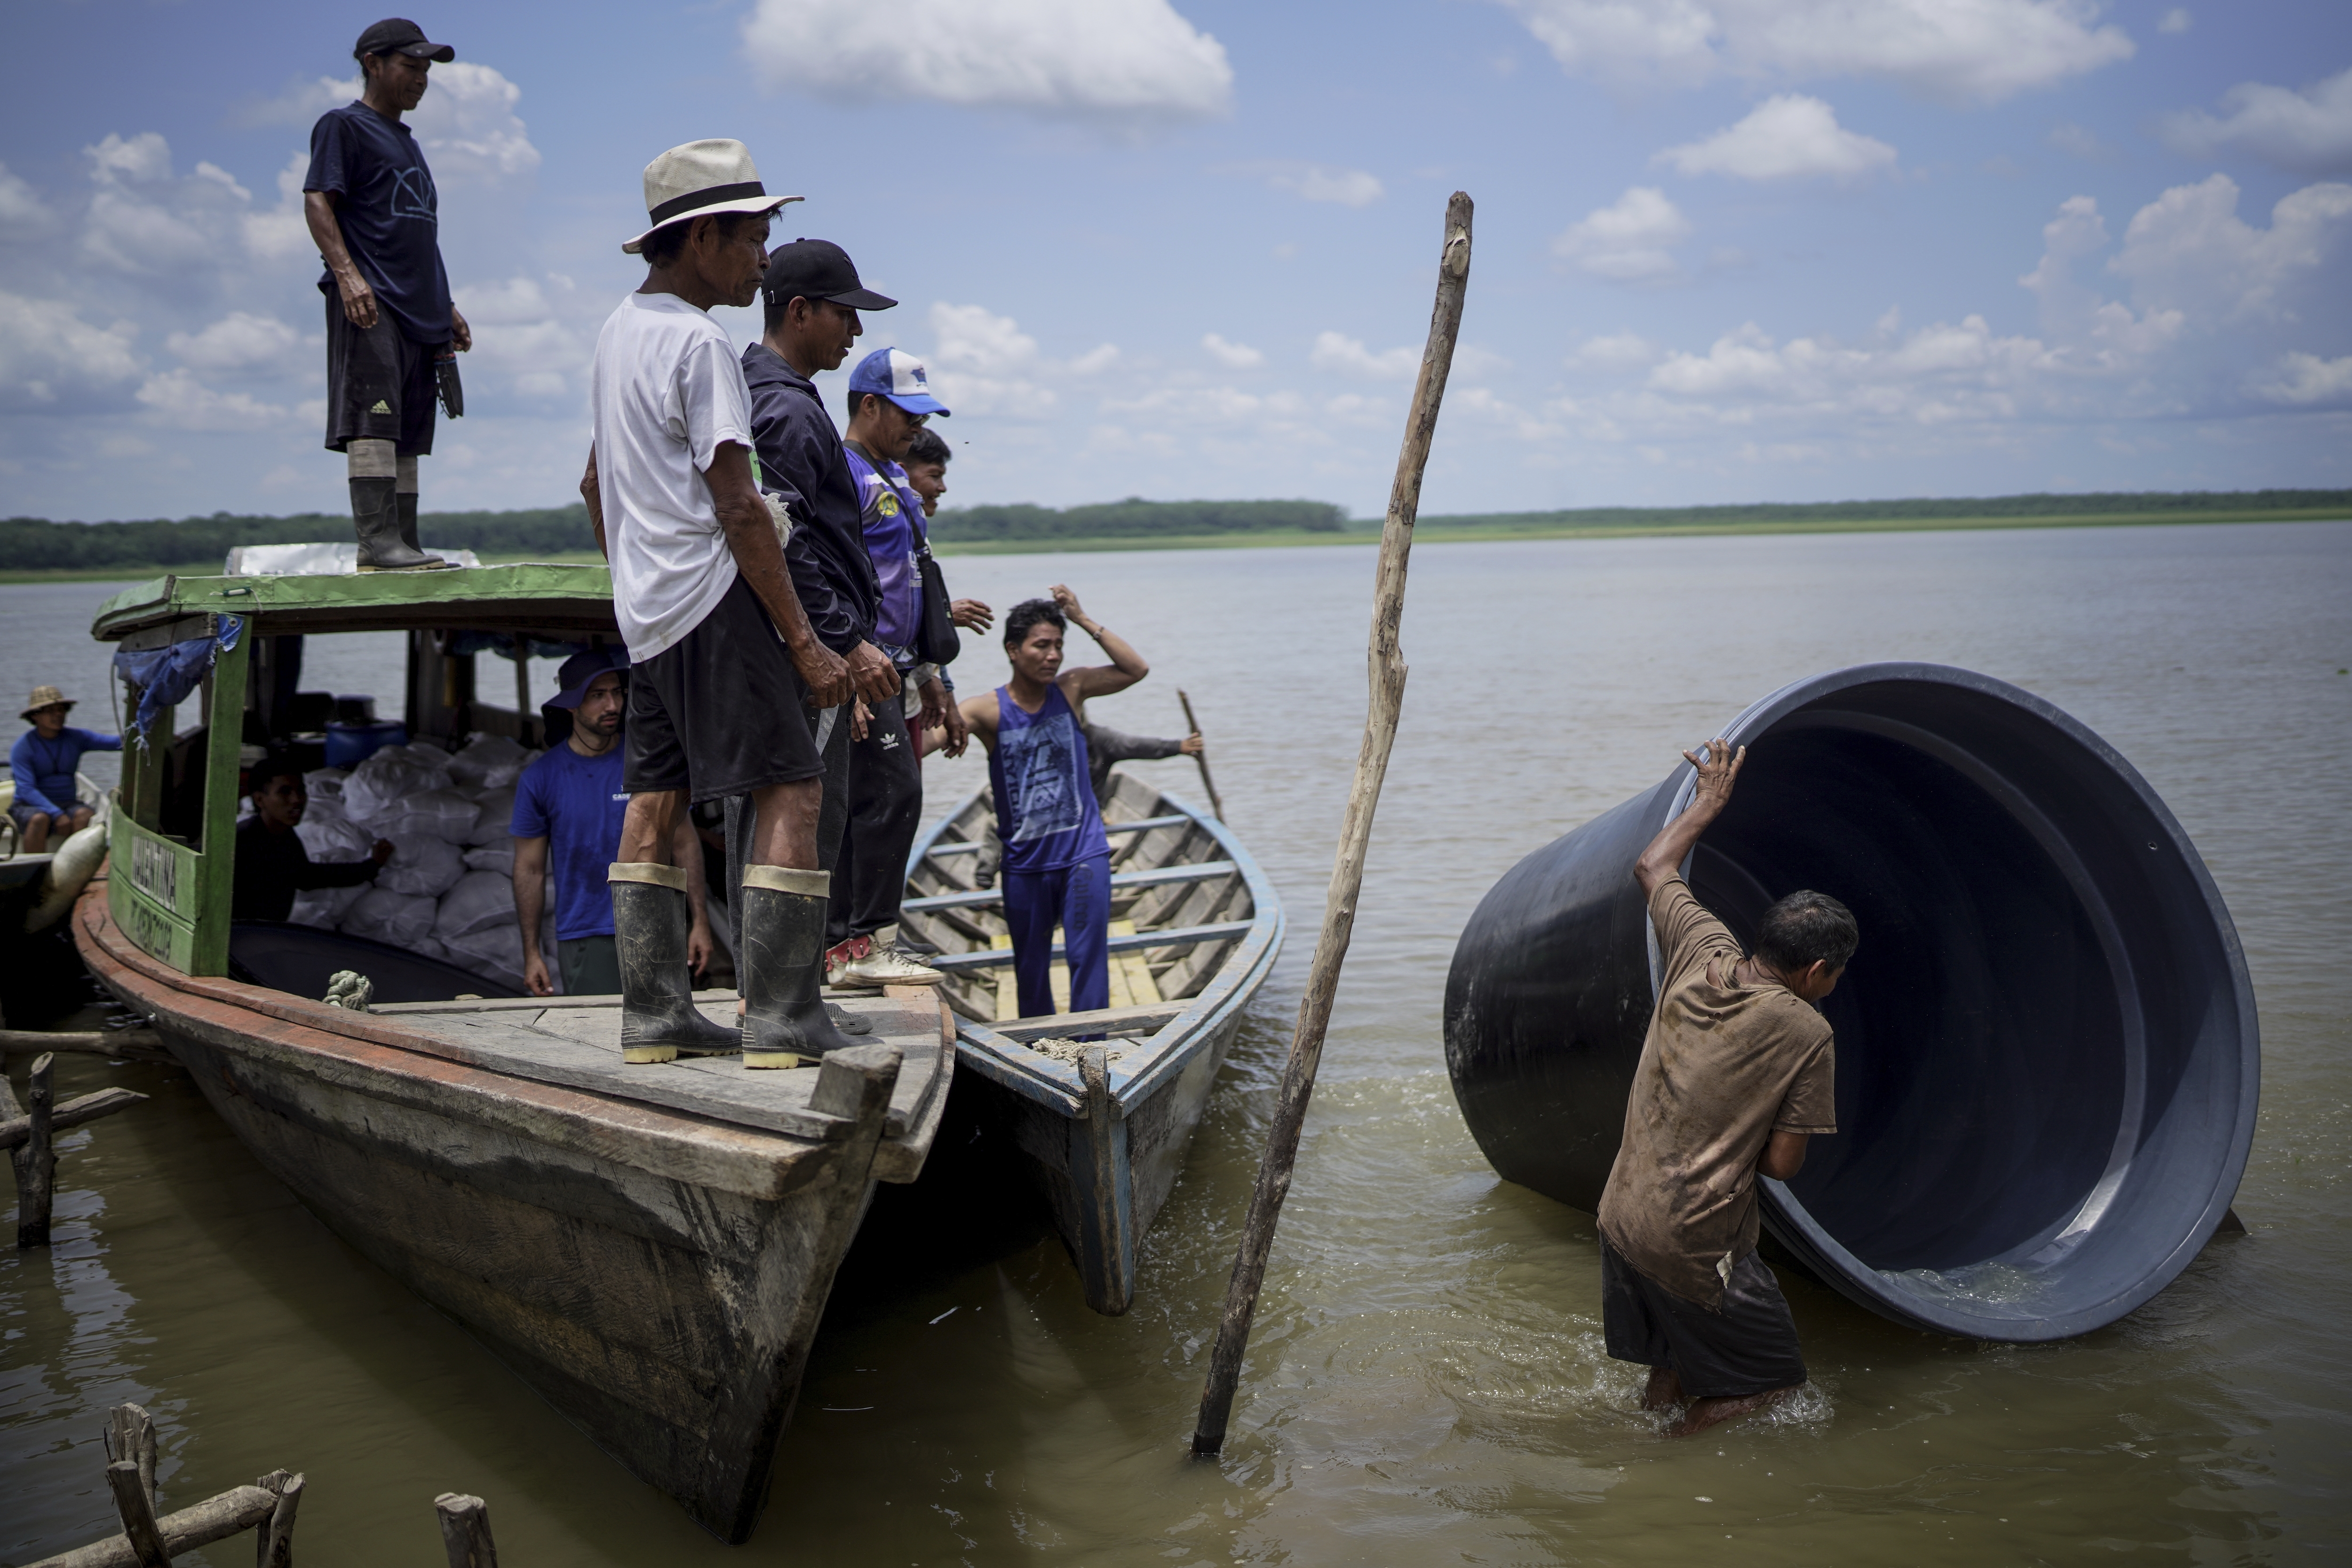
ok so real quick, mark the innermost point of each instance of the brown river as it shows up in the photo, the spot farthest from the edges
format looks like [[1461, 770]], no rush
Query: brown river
[[1426, 1383]]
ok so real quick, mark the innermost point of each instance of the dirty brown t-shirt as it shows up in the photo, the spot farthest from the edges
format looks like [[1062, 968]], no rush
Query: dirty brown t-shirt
[[1723, 1068]]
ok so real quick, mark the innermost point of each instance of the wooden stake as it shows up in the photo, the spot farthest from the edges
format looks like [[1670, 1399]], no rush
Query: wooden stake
[[130, 1434], [1387, 674], [1206, 782], [36, 1161], [138, 1511], [466, 1531], [274, 1544]]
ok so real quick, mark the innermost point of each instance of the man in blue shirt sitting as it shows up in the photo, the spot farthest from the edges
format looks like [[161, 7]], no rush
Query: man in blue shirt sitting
[[568, 809], [44, 761]]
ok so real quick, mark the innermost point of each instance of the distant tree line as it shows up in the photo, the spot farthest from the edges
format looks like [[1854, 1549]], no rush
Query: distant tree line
[[2094, 504], [38, 544], [1135, 518]]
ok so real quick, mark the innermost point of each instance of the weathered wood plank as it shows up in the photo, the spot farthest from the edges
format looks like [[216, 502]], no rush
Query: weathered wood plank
[[1183, 936], [17, 1130], [128, 1044], [215, 1519], [985, 898], [1138, 1019]]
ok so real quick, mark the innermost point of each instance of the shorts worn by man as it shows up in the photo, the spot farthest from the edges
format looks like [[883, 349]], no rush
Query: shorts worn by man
[[373, 212], [1736, 1072], [726, 665]]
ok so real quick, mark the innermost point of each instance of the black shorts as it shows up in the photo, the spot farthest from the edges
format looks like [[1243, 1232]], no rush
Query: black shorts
[[379, 385], [1748, 1347], [721, 710]]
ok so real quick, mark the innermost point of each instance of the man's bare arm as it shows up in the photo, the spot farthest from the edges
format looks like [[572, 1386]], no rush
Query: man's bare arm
[[1125, 669], [980, 716], [595, 497], [359, 299], [1783, 1156], [529, 896], [752, 537], [1662, 860]]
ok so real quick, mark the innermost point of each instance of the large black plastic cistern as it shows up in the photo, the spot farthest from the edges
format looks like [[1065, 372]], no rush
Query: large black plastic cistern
[[2047, 1054]]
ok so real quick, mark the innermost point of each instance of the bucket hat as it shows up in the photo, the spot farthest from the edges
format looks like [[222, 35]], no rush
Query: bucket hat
[[701, 178], [580, 672], [44, 697]]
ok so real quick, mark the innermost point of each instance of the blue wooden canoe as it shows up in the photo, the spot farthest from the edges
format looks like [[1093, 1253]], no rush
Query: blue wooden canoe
[[1196, 927]]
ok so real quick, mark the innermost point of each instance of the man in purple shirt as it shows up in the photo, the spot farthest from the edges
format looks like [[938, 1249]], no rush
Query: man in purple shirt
[[889, 400]]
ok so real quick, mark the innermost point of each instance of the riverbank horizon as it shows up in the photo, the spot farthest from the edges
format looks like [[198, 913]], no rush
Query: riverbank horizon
[[1428, 530]]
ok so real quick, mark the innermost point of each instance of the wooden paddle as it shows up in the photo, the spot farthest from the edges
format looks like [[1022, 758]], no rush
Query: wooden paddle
[[1387, 673], [1207, 783]]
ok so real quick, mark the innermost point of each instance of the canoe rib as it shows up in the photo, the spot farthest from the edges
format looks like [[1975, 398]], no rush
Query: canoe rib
[[658, 1276]]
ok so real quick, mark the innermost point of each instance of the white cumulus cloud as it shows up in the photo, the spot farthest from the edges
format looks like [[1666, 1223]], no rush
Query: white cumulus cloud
[[2188, 249], [1234, 357], [2300, 378], [22, 211], [1785, 137], [2174, 21], [1630, 240], [2308, 132], [178, 400], [1322, 183], [240, 341], [1336, 352], [52, 360], [986, 364], [1111, 60], [1984, 49], [466, 122]]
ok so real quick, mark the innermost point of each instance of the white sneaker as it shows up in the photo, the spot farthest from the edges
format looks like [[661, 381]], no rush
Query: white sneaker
[[883, 963]]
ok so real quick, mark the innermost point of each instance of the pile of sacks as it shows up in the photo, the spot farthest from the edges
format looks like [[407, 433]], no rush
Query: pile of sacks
[[448, 890]]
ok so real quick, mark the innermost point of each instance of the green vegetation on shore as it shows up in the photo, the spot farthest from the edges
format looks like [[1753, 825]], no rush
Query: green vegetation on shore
[[34, 549]]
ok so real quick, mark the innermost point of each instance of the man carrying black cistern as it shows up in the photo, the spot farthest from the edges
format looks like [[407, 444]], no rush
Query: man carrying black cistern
[[393, 334], [1738, 1071]]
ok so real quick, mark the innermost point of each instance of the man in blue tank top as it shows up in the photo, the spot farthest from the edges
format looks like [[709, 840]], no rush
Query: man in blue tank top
[[1056, 868]]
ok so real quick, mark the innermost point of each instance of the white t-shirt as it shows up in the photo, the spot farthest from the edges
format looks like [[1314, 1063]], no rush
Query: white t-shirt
[[666, 390]]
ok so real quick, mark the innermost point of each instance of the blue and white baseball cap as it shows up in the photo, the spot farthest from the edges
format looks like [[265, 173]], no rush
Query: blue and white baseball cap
[[898, 376]]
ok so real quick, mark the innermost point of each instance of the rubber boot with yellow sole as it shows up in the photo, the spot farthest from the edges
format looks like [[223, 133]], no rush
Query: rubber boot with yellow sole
[[781, 957], [650, 925]]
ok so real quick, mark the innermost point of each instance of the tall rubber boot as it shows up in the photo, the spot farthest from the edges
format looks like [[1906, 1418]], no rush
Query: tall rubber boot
[[782, 931], [406, 500], [376, 517], [650, 921]]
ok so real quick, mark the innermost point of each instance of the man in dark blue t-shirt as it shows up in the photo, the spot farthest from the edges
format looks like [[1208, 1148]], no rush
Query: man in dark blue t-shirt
[[372, 208], [567, 818]]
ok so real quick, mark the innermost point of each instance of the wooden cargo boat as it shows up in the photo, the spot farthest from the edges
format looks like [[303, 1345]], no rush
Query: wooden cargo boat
[[1195, 929], [650, 1248]]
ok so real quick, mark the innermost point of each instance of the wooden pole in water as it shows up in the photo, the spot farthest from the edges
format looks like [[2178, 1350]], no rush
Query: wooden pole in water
[[466, 1531], [1206, 782], [36, 1160], [1387, 669]]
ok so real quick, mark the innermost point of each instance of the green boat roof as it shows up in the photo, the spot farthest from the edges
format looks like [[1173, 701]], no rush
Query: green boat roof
[[530, 596]]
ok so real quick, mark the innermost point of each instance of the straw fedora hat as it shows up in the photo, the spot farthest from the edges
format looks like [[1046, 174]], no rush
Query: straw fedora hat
[[44, 697], [699, 179]]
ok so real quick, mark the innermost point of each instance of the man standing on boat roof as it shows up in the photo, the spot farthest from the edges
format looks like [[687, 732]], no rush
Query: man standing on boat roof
[[726, 665], [1056, 866], [890, 401], [393, 334], [812, 296], [1738, 1071]]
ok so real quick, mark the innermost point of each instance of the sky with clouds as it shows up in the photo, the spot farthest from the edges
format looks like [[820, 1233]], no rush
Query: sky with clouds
[[1727, 250]]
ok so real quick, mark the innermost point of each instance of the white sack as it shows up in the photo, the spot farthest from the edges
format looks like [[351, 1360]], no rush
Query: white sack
[[325, 783], [495, 954], [488, 761], [383, 915], [479, 900], [442, 814], [324, 907], [499, 856], [494, 817], [421, 866], [378, 785], [328, 837]]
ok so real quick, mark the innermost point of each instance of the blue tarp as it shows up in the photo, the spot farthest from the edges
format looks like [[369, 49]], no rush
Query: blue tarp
[[161, 678]]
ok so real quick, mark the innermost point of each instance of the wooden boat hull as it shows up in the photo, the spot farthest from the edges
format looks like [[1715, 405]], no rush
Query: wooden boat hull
[[656, 1275], [1105, 1138]]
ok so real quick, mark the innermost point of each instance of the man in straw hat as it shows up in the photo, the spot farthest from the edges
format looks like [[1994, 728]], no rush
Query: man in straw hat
[[44, 760], [392, 332], [726, 665]]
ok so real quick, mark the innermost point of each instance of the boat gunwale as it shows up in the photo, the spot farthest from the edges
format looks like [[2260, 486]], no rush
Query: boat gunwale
[[1168, 1051], [375, 602]]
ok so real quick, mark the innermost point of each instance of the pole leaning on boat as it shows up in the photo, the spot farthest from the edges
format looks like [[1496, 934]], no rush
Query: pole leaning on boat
[[1387, 675]]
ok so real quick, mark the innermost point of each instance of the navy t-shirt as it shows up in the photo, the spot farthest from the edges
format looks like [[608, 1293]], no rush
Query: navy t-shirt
[[390, 215], [576, 804]]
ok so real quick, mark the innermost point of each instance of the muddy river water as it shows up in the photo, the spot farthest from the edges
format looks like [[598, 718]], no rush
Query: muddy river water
[[1426, 1383]]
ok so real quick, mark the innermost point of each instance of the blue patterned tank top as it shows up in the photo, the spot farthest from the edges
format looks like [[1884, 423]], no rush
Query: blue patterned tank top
[[1045, 800]]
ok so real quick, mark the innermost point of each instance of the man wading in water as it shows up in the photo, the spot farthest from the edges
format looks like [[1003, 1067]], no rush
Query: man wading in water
[[1736, 1073]]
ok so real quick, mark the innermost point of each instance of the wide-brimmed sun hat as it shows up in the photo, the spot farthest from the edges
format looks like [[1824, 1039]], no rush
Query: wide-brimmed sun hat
[[45, 697], [581, 670], [699, 179]]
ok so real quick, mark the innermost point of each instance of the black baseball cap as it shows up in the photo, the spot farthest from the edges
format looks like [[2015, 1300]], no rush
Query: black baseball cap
[[818, 269], [399, 35]]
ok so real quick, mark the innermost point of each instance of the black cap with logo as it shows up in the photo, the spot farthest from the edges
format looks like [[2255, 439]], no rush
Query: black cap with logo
[[817, 270], [399, 35]]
